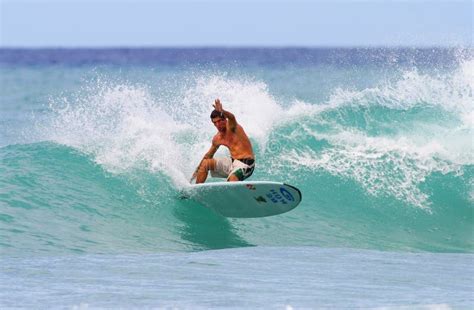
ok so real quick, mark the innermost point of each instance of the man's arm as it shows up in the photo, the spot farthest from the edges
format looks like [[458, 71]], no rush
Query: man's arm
[[208, 155], [212, 150], [230, 117]]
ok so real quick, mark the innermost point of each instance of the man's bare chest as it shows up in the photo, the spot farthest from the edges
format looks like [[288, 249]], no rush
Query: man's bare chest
[[228, 139]]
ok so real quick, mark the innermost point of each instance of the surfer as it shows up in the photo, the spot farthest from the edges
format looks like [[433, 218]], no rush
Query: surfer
[[241, 164]]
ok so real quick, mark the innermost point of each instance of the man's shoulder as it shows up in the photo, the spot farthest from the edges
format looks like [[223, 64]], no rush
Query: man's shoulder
[[239, 128], [215, 139]]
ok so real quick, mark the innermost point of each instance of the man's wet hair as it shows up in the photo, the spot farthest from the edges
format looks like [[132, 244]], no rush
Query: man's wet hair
[[216, 113]]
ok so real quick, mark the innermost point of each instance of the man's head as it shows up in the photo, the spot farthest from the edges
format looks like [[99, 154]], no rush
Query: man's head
[[219, 120]]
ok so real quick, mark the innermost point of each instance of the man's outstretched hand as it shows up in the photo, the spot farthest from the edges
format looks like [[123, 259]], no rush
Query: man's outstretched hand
[[217, 105]]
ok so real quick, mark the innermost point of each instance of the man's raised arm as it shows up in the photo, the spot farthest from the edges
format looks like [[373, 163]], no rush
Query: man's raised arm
[[230, 117]]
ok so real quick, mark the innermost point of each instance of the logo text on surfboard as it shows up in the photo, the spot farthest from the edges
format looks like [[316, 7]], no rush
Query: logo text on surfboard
[[276, 197]]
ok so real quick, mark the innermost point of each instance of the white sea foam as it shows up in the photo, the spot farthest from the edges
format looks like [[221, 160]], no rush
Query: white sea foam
[[381, 165], [248, 99], [393, 164], [124, 127], [452, 92]]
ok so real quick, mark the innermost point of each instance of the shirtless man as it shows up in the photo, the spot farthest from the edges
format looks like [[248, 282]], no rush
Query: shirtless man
[[242, 161]]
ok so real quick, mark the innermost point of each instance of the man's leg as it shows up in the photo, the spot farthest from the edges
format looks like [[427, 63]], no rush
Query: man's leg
[[241, 173], [232, 178], [206, 165], [237, 175]]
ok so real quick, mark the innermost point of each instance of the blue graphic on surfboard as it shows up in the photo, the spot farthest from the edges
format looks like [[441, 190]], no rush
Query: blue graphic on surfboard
[[245, 199]]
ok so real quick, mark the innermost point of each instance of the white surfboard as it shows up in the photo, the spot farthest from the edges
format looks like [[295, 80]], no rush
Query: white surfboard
[[246, 199]]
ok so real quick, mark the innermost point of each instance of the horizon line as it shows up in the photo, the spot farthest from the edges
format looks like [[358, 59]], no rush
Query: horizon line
[[96, 47]]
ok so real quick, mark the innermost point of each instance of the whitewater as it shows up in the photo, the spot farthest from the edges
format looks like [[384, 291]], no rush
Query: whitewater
[[95, 146]]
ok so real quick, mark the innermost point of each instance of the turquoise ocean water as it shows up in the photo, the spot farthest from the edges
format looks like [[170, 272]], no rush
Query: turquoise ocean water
[[95, 146]]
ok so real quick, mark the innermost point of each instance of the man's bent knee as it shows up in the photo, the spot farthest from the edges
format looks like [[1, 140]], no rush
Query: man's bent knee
[[208, 164]]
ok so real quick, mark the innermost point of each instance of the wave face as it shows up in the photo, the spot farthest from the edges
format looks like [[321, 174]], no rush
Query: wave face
[[382, 151]]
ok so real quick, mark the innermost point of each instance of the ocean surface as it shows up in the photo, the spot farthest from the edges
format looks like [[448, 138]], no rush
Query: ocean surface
[[96, 145]]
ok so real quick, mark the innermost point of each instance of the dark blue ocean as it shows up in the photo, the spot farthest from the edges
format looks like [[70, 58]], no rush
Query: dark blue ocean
[[97, 144]]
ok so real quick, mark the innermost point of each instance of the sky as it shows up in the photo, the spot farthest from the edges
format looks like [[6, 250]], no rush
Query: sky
[[229, 23]]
